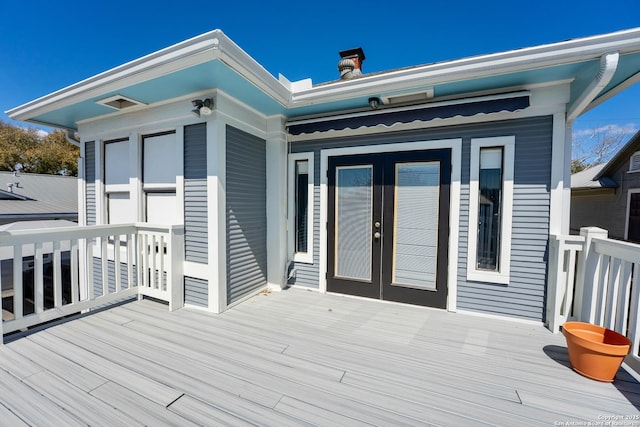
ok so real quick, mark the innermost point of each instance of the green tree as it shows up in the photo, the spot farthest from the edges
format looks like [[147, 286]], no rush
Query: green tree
[[27, 150], [15, 143], [54, 155]]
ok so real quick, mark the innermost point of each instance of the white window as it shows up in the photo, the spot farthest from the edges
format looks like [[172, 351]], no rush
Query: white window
[[300, 212], [490, 209], [634, 162], [159, 170], [119, 209]]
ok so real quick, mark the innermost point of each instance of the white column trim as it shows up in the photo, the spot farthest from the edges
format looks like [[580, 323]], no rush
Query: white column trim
[[216, 196]]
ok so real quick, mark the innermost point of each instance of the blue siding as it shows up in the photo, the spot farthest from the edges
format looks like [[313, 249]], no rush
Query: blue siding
[[90, 180], [196, 234], [246, 207], [196, 291]]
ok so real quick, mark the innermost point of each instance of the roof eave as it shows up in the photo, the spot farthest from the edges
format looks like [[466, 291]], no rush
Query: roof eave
[[567, 52], [206, 47]]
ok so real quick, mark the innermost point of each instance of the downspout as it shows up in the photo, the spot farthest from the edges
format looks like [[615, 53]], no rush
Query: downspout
[[608, 67], [71, 137]]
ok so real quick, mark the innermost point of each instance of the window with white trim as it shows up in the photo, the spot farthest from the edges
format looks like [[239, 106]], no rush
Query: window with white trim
[[634, 162], [159, 170], [116, 182], [490, 209], [300, 209]]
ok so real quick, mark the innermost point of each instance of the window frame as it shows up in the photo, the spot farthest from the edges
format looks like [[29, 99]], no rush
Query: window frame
[[633, 161], [303, 257], [119, 188], [151, 188], [502, 275], [630, 192]]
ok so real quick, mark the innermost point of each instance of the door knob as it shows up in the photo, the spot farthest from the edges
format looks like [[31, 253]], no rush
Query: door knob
[[376, 234]]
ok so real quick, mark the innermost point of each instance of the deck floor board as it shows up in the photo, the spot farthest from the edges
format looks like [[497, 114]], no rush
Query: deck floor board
[[299, 358]]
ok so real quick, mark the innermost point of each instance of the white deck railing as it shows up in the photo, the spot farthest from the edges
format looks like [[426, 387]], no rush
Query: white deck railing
[[605, 290], [563, 252], [73, 269]]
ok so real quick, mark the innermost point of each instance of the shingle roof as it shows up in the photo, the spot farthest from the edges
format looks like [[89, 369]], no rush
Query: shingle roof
[[41, 194]]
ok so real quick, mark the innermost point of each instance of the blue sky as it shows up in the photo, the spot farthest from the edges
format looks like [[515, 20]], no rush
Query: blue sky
[[45, 45]]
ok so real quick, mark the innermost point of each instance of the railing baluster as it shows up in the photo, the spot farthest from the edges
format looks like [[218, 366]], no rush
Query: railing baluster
[[154, 259], [104, 262], [90, 285], [75, 272], [38, 278], [130, 260], [634, 315], [623, 298], [116, 263], [18, 289], [161, 243], [57, 275]]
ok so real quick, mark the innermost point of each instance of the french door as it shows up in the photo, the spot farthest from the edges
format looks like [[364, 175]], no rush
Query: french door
[[388, 226]]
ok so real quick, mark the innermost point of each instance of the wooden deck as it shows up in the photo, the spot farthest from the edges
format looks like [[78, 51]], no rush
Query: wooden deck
[[297, 358]]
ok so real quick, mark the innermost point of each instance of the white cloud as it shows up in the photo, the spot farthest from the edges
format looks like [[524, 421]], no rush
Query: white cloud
[[627, 129], [41, 132]]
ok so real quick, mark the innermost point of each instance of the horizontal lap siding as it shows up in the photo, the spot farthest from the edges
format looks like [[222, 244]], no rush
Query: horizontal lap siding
[[196, 239], [196, 291], [246, 208], [524, 296], [90, 182]]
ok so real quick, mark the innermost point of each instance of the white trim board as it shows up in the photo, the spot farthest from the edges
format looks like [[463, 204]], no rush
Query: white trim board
[[508, 144], [307, 257], [455, 145]]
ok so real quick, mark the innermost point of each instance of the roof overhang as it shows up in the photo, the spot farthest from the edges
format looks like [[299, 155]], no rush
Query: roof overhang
[[212, 61]]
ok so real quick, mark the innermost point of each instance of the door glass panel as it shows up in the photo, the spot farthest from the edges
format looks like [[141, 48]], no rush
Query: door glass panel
[[354, 207], [417, 193]]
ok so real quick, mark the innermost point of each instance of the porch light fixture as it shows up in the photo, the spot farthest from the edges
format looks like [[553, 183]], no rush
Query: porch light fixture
[[202, 107], [374, 103]]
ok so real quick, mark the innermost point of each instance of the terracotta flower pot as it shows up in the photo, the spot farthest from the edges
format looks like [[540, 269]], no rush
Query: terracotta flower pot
[[594, 351]]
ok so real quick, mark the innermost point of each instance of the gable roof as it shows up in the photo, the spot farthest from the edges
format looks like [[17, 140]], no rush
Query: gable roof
[[212, 61], [588, 179], [621, 156], [37, 195], [599, 176]]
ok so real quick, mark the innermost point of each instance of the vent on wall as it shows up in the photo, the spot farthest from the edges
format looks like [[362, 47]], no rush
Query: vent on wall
[[408, 98], [634, 162], [119, 102]]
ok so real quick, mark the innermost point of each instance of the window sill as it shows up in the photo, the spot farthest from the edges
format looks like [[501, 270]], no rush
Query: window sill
[[303, 258], [488, 277]]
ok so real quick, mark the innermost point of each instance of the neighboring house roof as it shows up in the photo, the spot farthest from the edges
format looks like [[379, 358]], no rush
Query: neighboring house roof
[[599, 176], [212, 61], [586, 179], [38, 195], [621, 156]]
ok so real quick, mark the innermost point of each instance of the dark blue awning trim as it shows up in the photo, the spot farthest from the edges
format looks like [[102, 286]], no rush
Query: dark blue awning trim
[[408, 116]]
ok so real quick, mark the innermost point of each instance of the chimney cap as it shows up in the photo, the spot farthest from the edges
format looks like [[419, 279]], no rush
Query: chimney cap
[[350, 53]]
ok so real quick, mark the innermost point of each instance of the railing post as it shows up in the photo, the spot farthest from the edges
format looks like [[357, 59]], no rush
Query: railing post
[[555, 285], [175, 254], [588, 275]]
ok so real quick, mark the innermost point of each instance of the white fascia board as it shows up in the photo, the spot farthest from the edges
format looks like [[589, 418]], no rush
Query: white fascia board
[[568, 52], [206, 47], [238, 60]]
